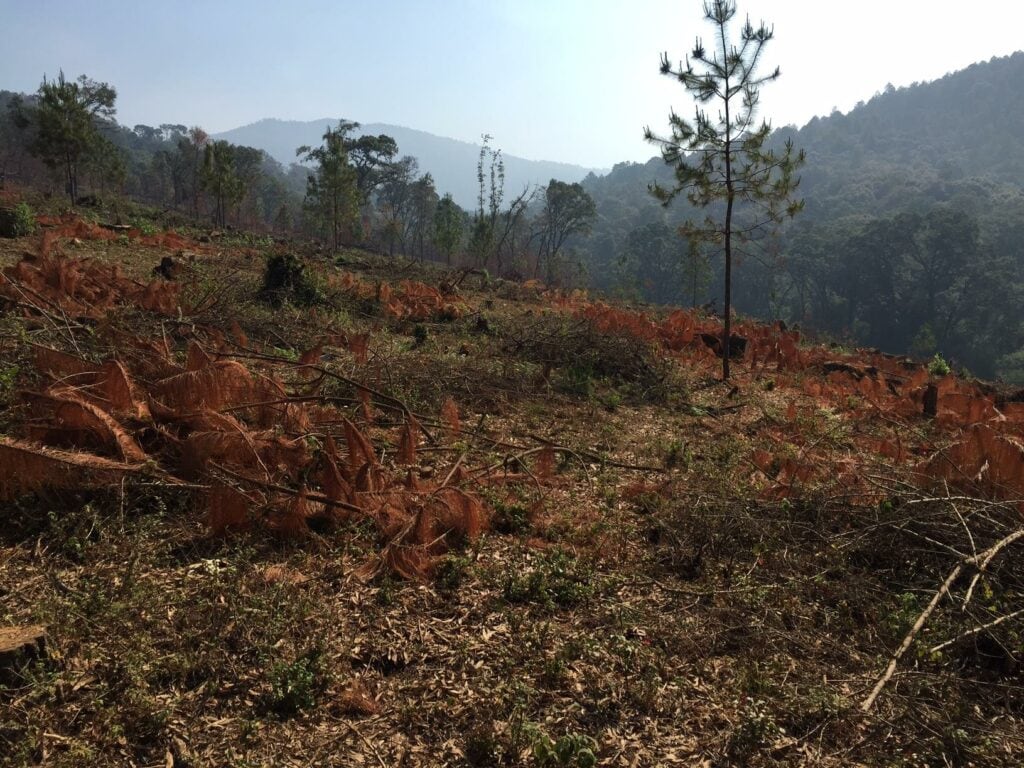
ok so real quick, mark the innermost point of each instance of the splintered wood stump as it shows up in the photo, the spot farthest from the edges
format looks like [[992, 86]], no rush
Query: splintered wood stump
[[931, 401], [737, 344], [20, 644], [8, 222]]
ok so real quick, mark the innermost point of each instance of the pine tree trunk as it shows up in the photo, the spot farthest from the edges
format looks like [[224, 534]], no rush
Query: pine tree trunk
[[72, 181], [727, 326]]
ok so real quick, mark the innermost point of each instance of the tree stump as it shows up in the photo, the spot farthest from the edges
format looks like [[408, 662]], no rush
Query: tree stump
[[21, 644], [737, 344], [8, 222], [931, 401], [168, 268]]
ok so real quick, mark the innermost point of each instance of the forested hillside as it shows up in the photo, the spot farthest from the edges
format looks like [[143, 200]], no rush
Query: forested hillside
[[450, 162], [163, 165], [344, 185], [912, 238]]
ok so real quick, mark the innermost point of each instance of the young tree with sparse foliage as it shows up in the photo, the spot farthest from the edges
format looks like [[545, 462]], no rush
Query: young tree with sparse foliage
[[448, 226], [482, 239], [723, 159]]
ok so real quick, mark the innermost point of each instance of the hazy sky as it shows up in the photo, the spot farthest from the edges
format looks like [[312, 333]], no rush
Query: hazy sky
[[572, 80]]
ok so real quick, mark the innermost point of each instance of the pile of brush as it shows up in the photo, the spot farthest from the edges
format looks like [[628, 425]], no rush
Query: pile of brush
[[217, 418], [261, 457]]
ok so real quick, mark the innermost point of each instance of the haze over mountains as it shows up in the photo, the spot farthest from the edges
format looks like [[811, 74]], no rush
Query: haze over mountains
[[963, 123], [452, 163]]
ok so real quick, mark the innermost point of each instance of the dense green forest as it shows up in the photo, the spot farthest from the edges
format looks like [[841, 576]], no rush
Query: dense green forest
[[912, 238]]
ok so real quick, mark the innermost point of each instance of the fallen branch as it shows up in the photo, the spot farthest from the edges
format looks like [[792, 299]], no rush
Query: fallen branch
[[408, 412], [604, 461], [451, 474], [976, 631], [981, 561], [286, 490]]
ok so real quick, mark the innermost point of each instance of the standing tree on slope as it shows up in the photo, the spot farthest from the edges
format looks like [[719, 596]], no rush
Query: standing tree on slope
[[332, 193], [724, 160], [65, 119]]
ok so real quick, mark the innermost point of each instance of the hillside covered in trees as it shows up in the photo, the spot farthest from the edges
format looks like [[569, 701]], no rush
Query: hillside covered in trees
[[347, 186], [450, 162], [912, 237]]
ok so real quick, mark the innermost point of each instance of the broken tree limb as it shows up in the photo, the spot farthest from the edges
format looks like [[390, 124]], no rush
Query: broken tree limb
[[981, 561], [316, 497], [976, 631], [382, 396]]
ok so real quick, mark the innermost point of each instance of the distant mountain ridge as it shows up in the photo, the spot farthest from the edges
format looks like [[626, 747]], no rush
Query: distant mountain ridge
[[451, 162], [908, 144]]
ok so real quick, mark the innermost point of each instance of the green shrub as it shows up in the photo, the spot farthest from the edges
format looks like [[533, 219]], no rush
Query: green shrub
[[8, 377], [509, 518], [17, 221], [295, 685], [573, 749], [938, 366], [756, 730], [677, 454], [556, 579], [285, 279], [577, 380], [450, 573], [145, 227]]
